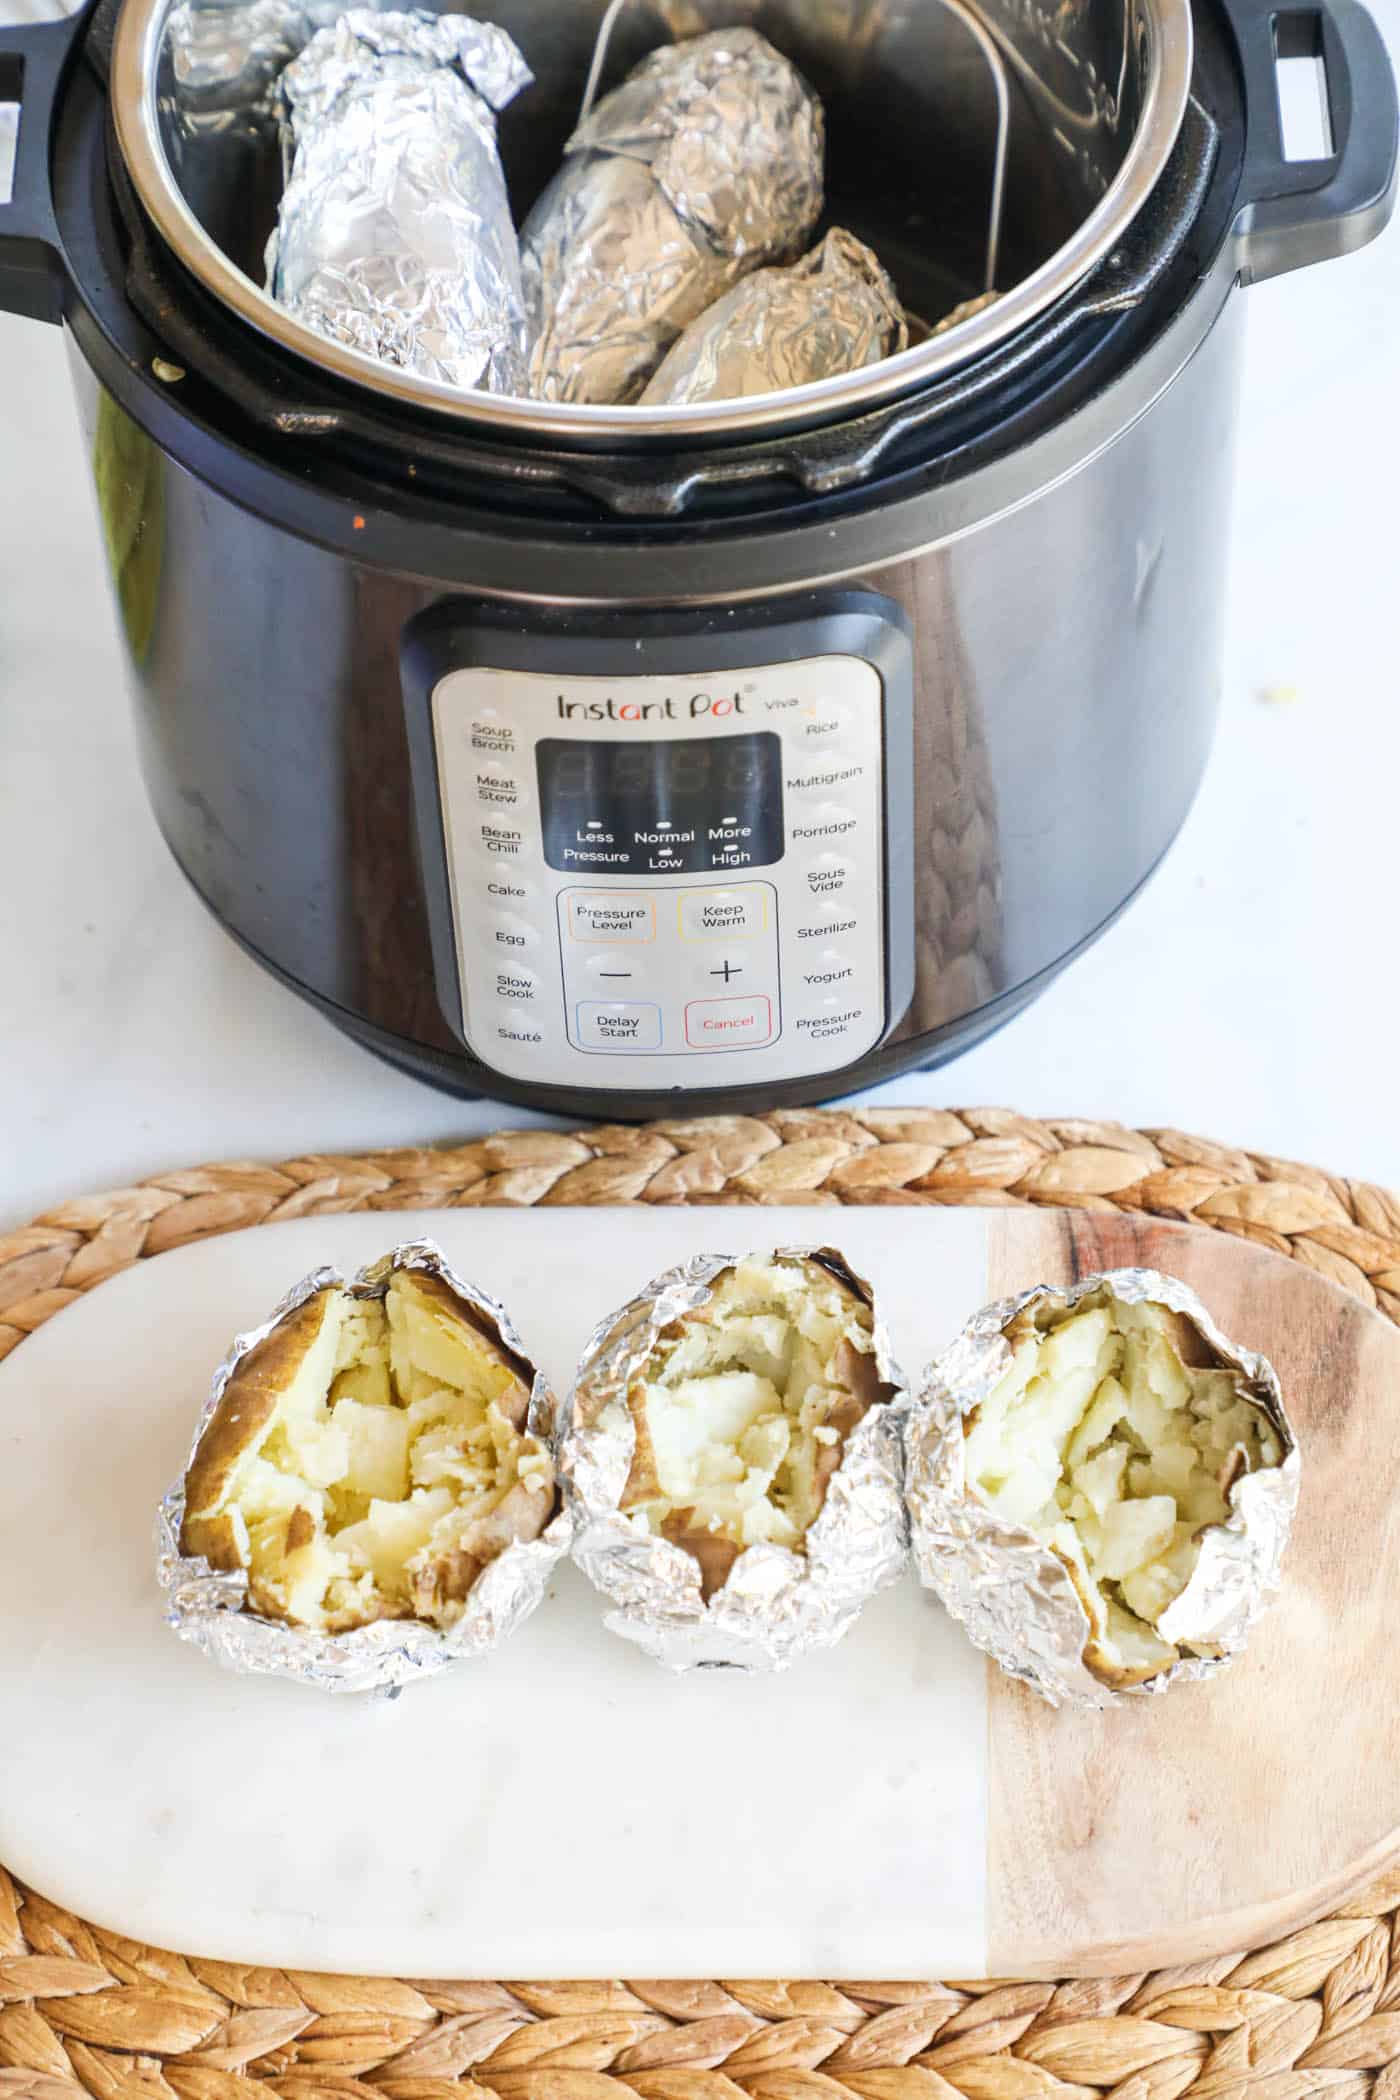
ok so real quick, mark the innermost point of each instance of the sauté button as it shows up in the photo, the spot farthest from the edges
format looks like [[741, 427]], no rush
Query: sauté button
[[730, 914], [618, 1024], [729, 1024]]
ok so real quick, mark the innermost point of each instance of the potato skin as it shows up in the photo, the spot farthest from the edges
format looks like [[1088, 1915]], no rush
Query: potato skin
[[245, 1408]]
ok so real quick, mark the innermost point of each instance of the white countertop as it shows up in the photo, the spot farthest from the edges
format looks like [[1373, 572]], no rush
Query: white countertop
[[1253, 994]]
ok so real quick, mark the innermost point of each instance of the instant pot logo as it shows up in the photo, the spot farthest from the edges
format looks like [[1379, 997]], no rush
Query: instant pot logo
[[700, 707]]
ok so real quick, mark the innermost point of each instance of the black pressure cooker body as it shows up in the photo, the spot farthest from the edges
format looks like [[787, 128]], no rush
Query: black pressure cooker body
[[725, 769]]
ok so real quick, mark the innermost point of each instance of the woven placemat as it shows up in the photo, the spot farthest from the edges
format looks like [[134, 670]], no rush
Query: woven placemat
[[83, 2010]]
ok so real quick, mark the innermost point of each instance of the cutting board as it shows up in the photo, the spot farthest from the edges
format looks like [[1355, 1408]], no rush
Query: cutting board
[[566, 1808]]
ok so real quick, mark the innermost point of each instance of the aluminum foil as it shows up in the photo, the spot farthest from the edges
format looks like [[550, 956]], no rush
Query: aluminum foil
[[394, 235], [776, 1605], [835, 311], [226, 57], [207, 1608], [1012, 1594], [706, 164]]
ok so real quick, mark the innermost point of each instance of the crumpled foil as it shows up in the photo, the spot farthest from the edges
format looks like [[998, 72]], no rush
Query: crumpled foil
[[394, 235], [835, 311], [1013, 1596], [226, 57], [703, 166], [776, 1605], [206, 1608]]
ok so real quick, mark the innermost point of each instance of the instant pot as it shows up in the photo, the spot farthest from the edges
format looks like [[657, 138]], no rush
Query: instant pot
[[620, 761]]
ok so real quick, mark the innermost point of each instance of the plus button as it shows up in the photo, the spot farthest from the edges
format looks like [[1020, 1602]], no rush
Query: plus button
[[727, 972]]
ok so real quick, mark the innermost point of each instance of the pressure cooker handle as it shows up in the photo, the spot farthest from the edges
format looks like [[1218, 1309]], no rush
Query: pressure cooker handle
[[1306, 211], [34, 57]]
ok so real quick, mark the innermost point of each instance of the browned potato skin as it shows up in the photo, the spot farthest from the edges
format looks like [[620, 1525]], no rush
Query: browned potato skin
[[247, 1405], [715, 1554]]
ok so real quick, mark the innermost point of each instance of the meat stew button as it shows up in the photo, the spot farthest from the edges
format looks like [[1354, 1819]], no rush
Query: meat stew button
[[729, 1024]]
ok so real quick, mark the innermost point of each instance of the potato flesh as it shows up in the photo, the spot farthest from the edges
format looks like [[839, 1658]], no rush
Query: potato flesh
[[387, 1443], [736, 1406], [1118, 1455]]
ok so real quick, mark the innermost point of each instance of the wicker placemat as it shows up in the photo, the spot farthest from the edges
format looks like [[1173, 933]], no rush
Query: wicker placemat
[[84, 2010]]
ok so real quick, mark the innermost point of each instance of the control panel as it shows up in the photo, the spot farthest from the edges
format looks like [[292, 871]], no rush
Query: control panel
[[668, 879]]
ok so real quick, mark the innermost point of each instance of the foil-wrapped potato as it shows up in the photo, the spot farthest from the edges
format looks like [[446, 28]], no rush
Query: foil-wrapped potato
[[703, 166], [835, 311], [369, 1459], [1101, 1486], [712, 1421]]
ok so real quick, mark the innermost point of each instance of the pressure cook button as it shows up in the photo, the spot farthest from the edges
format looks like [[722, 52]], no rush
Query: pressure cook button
[[827, 875], [511, 936], [729, 1024], [612, 915], [618, 1024], [828, 824], [829, 1020], [731, 914]]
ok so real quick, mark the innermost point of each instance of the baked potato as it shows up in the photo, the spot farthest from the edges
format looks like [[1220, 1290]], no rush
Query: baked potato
[[742, 1409], [1115, 1438], [368, 1459]]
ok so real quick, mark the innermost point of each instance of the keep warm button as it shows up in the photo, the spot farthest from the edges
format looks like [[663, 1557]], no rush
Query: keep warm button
[[729, 1024]]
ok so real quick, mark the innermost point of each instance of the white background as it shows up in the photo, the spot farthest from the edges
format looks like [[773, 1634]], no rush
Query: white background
[[1251, 995]]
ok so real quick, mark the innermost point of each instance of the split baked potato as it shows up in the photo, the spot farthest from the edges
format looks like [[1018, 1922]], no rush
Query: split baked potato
[[743, 1406], [368, 1459], [1115, 1438]]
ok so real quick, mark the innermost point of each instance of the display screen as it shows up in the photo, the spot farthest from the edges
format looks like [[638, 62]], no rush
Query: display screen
[[675, 808]]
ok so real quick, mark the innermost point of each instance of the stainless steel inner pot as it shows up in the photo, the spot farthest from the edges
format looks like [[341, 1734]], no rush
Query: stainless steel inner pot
[[1098, 94]]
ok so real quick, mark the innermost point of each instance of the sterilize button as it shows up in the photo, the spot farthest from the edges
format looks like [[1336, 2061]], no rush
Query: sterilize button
[[828, 824], [512, 936], [619, 1024], [827, 875], [729, 1024]]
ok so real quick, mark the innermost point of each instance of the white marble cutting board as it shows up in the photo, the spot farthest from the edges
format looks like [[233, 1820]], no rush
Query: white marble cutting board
[[566, 1808]]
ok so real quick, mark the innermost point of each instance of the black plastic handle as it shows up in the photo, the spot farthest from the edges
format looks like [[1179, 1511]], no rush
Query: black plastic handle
[[1305, 211], [33, 60]]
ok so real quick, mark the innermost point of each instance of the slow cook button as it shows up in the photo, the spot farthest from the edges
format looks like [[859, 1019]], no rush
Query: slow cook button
[[619, 1024], [515, 985], [512, 936], [729, 1024], [736, 915], [827, 824]]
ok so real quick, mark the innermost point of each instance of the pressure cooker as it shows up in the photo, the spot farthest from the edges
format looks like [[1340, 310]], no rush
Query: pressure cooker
[[629, 761]]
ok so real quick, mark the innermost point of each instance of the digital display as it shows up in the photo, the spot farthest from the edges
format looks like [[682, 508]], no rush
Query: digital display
[[678, 808]]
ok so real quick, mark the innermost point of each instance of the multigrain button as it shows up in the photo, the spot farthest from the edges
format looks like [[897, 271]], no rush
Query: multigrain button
[[729, 1024], [729, 914], [618, 1024], [612, 915]]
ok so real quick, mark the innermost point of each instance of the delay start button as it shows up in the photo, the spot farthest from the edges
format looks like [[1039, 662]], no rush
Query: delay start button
[[729, 1024], [618, 1024]]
